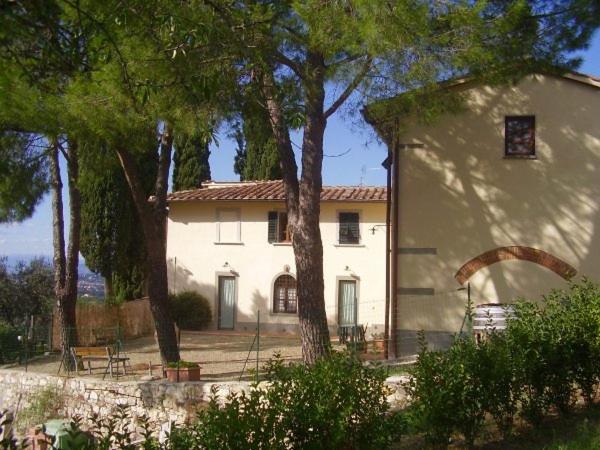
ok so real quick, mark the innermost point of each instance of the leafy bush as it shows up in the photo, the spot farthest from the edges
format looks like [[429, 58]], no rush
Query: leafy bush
[[336, 404], [545, 357], [10, 347], [447, 389], [190, 310]]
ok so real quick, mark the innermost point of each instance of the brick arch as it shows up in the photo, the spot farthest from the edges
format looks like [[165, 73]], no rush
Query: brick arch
[[545, 259]]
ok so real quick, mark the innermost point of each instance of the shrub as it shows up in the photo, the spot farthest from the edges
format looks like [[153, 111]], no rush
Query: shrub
[[503, 389], [190, 310], [448, 392], [336, 404], [10, 347], [539, 363]]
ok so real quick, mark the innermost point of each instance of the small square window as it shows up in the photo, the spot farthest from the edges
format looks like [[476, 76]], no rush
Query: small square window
[[349, 229], [519, 136]]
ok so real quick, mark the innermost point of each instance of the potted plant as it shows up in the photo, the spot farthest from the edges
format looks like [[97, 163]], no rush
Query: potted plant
[[183, 371], [378, 342]]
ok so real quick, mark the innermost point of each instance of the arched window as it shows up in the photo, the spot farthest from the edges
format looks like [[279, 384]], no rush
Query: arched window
[[284, 295]]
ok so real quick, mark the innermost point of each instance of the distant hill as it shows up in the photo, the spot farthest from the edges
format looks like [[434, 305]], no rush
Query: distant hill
[[90, 284]]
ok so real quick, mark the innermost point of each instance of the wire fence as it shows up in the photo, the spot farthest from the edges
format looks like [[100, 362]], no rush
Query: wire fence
[[234, 355]]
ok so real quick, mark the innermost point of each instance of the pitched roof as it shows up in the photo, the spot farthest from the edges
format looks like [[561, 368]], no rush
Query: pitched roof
[[274, 191]]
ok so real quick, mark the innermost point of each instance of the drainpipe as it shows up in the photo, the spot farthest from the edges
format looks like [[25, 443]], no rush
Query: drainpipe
[[388, 164], [393, 351]]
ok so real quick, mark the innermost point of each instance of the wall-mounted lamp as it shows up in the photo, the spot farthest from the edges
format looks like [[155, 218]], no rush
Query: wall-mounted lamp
[[373, 229], [231, 269], [351, 273]]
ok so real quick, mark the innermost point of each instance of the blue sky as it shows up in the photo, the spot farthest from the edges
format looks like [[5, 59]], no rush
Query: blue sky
[[345, 133]]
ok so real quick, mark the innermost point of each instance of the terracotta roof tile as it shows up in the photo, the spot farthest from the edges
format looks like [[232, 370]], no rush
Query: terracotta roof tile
[[274, 191]]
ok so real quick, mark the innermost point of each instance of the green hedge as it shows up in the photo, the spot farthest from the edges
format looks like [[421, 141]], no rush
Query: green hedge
[[190, 310], [10, 347], [542, 362]]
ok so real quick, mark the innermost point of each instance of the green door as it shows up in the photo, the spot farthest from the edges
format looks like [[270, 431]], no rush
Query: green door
[[347, 303]]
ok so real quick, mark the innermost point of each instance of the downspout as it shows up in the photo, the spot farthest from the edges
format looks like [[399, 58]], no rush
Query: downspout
[[393, 353], [388, 164]]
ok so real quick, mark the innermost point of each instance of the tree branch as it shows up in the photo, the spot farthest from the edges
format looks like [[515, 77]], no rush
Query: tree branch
[[293, 65], [350, 88]]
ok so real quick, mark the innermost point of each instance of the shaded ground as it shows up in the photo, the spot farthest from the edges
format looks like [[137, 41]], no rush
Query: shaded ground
[[577, 431], [222, 355]]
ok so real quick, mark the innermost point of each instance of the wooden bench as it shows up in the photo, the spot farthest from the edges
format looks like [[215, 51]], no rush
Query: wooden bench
[[105, 354]]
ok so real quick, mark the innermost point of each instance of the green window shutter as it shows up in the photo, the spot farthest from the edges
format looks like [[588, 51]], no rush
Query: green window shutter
[[272, 237], [349, 228]]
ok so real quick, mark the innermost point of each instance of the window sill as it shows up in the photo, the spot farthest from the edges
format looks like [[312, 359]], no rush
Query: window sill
[[284, 314], [281, 244], [520, 157], [228, 243], [349, 245]]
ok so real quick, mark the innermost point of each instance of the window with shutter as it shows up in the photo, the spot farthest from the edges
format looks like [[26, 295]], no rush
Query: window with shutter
[[519, 136], [284, 295], [279, 230], [272, 233], [349, 228]]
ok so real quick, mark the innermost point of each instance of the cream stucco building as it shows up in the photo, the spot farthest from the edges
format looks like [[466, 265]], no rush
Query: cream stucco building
[[229, 242], [503, 196]]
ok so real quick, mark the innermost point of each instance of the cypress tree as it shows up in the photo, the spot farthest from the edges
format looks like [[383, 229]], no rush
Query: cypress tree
[[257, 156], [111, 235], [191, 166]]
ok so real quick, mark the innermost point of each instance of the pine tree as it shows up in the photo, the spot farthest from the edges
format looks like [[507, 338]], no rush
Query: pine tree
[[314, 57], [23, 174], [190, 160]]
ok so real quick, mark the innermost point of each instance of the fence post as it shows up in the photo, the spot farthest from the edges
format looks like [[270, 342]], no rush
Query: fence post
[[257, 341]]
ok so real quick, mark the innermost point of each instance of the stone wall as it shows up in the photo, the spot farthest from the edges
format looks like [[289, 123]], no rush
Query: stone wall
[[161, 401]]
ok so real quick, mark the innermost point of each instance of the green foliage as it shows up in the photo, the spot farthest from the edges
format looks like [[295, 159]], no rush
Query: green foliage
[[111, 234], [10, 347], [190, 161], [190, 310], [181, 364], [26, 290], [448, 392], [537, 365], [23, 174], [257, 155], [337, 404]]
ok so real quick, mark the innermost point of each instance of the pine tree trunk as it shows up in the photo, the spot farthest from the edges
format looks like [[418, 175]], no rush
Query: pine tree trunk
[[153, 218], [65, 265], [303, 200]]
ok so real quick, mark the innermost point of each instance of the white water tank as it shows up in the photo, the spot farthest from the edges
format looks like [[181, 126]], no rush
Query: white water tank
[[491, 317]]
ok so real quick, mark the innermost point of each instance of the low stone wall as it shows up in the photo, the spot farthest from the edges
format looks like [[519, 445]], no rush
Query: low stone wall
[[161, 401]]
